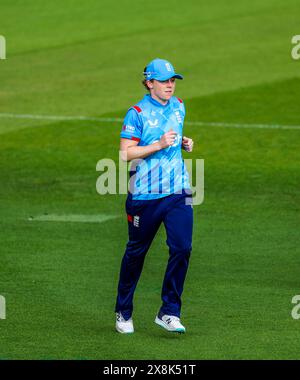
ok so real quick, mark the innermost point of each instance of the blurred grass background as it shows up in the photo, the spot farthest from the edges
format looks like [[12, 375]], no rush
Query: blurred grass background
[[60, 279]]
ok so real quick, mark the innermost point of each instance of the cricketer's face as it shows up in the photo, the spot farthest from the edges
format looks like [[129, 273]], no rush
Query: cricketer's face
[[162, 90]]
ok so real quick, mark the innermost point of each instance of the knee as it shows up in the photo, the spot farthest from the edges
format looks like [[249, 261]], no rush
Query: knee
[[187, 251], [182, 246], [136, 249], [183, 250]]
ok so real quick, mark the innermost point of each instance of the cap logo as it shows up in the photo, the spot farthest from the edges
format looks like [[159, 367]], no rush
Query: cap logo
[[168, 66], [148, 74]]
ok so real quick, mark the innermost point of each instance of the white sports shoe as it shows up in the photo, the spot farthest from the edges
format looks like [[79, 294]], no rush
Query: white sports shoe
[[123, 326], [170, 323]]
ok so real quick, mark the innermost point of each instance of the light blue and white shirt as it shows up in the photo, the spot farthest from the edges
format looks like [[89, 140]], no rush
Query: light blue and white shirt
[[161, 173]]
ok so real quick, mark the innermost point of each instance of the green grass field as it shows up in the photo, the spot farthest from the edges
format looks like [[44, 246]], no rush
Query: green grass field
[[59, 278]]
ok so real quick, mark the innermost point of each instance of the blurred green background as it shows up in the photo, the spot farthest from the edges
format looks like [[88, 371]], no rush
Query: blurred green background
[[72, 58]]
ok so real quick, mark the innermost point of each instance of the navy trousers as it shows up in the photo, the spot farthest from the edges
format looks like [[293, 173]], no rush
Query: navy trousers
[[144, 219]]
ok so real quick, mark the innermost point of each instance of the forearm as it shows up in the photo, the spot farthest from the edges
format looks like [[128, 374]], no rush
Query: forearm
[[136, 152]]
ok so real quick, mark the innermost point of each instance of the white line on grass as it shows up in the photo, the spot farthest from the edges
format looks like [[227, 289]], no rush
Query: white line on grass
[[116, 119], [52, 117], [236, 125], [100, 218]]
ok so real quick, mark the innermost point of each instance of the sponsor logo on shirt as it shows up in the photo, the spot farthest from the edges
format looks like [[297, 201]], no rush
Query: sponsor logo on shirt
[[128, 128], [153, 123]]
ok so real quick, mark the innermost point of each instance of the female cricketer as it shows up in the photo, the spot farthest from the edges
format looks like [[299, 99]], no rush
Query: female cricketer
[[152, 139]]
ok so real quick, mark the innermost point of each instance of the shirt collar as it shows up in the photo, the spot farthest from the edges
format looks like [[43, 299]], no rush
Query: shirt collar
[[155, 102]]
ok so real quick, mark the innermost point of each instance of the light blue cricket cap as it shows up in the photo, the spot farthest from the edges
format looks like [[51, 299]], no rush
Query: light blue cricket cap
[[160, 69]]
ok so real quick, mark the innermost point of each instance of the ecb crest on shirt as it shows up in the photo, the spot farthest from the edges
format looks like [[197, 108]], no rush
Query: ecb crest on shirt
[[179, 119]]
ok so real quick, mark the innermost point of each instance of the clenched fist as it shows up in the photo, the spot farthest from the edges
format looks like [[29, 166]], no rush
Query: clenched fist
[[187, 144], [167, 139]]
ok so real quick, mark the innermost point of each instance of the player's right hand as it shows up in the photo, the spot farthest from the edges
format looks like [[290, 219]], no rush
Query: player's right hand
[[167, 139]]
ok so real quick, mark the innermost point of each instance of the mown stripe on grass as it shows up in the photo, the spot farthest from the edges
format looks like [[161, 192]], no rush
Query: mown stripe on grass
[[117, 120], [74, 218]]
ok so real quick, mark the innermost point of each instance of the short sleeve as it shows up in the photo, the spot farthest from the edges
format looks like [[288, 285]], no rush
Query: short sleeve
[[132, 126]]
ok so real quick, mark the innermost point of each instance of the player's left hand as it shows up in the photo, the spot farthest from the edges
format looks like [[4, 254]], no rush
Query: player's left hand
[[187, 144]]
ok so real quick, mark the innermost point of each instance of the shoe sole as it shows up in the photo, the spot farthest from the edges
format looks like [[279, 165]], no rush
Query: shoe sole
[[166, 327], [124, 332]]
